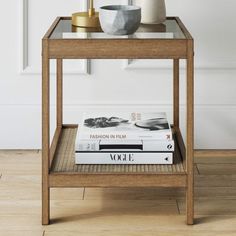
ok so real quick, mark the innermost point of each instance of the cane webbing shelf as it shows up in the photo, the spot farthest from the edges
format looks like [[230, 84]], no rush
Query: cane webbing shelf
[[64, 160]]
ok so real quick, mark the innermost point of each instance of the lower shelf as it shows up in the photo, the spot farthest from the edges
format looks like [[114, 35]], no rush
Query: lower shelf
[[65, 173]]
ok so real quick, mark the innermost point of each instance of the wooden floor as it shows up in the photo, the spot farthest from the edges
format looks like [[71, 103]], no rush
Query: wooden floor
[[114, 212]]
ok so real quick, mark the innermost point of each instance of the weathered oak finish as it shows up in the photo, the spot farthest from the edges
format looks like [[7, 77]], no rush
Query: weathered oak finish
[[58, 168], [190, 134], [59, 93], [104, 48], [176, 92], [45, 133]]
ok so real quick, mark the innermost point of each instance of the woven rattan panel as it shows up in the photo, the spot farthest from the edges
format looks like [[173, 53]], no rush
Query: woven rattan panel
[[64, 160]]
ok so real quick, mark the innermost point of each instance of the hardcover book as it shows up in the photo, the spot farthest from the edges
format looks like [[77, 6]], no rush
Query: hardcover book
[[124, 145], [131, 158], [124, 126]]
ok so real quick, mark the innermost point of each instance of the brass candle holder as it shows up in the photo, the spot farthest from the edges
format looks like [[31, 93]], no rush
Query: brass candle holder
[[89, 19]]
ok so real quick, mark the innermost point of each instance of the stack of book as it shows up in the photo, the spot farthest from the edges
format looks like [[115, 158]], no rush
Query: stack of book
[[124, 138]]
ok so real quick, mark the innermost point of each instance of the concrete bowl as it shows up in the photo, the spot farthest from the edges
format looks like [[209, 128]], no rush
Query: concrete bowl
[[120, 19]]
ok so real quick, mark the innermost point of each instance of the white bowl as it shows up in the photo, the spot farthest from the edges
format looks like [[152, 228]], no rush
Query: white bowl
[[120, 19]]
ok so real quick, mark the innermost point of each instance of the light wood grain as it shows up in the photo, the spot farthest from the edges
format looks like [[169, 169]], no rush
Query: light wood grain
[[222, 193], [215, 160], [20, 207], [13, 169], [214, 180], [16, 155], [22, 233], [29, 181], [15, 192], [24, 188], [159, 193], [125, 224], [96, 208], [67, 193], [215, 153], [217, 169], [125, 211], [25, 192], [133, 193], [212, 206], [62, 208], [139, 233], [8, 162]]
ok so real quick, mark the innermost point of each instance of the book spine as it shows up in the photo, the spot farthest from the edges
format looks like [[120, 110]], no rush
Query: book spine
[[147, 145], [123, 158], [159, 145], [128, 136], [87, 145]]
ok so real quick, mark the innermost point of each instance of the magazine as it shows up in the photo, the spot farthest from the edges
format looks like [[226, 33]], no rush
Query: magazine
[[131, 158]]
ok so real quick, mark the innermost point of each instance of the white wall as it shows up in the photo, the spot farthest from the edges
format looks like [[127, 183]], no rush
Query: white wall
[[141, 86]]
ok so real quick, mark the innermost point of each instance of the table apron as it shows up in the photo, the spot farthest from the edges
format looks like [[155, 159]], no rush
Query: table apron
[[73, 180], [117, 49]]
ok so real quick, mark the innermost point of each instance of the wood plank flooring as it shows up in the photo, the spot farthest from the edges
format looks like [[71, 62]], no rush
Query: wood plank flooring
[[113, 212]]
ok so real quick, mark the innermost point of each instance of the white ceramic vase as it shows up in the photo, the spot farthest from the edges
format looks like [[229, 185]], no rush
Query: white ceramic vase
[[153, 11]]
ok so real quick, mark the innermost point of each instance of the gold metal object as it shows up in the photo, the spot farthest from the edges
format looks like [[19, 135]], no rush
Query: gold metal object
[[77, 29], [86, 19]]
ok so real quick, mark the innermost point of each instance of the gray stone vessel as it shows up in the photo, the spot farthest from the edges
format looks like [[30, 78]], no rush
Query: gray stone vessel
[[120, 19]]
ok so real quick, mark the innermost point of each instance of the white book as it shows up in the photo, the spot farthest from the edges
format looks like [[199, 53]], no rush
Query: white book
[[130, 158], [125, 145], [124, 126]]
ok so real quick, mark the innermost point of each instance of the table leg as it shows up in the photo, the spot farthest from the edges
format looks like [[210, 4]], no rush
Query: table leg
[[45, 134], [176, 93], [190, 135], [59, 93]]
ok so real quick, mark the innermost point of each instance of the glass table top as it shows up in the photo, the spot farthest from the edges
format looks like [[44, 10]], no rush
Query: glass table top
[[168, 30]]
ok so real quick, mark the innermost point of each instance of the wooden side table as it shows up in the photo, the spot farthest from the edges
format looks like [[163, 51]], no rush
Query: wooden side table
[[58, 168]]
